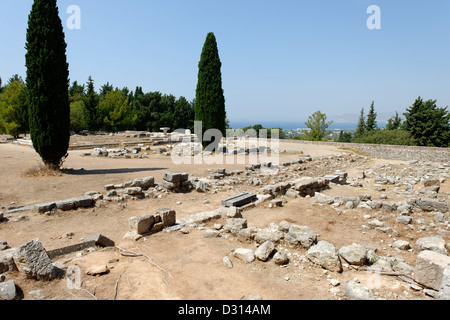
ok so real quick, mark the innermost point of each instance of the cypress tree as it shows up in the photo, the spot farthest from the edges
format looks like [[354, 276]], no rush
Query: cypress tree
[[91, 101], [210, 101], [361, 128], [48, 83], [372, 118]]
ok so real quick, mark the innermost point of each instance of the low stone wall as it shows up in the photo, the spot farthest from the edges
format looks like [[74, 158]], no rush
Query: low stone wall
[[406, 153]]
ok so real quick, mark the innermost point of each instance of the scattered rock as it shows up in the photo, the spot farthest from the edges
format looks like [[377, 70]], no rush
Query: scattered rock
[[265, 250], [99, 240], [141, 224], [355, 291], [227, 262], [246, 255], [402, 245], [325, 255], [429, 270], [433, 243], [280, 258], [301, 235], [354, 254], [32, 260], [444, 290], [97, 270], [235, 225], [8, 290]]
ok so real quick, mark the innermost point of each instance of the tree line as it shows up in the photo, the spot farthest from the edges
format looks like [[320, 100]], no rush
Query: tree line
[[48, 107], [109, 109], [113, 109], [424, 124]]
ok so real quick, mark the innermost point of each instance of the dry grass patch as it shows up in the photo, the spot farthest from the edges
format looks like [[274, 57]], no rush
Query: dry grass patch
[[356, 150], [41, 171]]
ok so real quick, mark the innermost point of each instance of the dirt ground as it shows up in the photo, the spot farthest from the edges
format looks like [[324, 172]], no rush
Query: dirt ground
[[182, 266]]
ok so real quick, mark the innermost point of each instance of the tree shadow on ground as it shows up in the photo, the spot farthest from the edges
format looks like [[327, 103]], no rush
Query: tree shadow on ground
[[84, 172]]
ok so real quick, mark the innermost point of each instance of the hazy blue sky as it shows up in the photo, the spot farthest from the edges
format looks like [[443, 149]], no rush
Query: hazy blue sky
[[282, 60]]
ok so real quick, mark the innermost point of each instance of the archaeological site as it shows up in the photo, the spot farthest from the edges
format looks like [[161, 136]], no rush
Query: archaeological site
[[149, 216]]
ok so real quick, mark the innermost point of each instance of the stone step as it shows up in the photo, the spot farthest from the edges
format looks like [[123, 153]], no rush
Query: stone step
[[239, 200]]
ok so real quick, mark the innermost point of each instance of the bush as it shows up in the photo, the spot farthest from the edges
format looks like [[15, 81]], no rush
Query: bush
[[389, 137]]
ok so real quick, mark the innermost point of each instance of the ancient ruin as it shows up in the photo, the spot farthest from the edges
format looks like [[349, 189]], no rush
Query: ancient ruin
[[354, 222]]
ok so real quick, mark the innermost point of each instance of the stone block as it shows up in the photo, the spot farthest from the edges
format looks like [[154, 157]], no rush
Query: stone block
[[141, 224], [7, 261], [176, 177], [239, 200], [430, 268], [32, 260], [99, 240], [169, 216], [8, 290]]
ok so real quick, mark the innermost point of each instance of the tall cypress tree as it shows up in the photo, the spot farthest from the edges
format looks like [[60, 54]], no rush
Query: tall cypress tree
[[361, 128], [91, 101], [372, 118], [48, 83], [210, 101]]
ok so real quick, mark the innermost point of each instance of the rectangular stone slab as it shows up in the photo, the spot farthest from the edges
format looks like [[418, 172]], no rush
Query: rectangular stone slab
[[239, 200], [70, 249], [176, 177]]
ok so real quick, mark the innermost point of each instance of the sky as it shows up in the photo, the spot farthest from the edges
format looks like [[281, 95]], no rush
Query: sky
[[281, 60]]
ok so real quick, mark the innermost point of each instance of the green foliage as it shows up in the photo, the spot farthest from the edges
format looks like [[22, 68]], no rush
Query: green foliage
[[318, 127], [76, 92], [115, 110], [428, 124], [257, 131], [371, 123], [47, 83], [77, 123], [210, 101], [345, 137], [90, 100], [105, 89], [183, 115], [14, 109], [361, 128], [389, 137], [394, 123]]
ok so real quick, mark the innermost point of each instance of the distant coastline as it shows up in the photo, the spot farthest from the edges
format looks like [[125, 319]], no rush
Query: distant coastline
[[287, 125]]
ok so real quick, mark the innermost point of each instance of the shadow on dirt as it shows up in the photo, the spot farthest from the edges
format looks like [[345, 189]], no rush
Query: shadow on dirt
[[83, 172]]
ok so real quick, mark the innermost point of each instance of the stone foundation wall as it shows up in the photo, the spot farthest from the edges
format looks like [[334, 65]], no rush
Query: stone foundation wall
[[406, 153]]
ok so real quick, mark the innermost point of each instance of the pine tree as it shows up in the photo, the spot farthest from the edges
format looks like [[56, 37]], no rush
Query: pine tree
[[361, 128], [394, 123], [210, 101], [371, 124], [48, 83], [318, 127], [91, 101], [428, 124]]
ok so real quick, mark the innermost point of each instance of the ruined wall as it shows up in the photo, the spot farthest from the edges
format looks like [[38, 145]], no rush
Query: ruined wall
[[405, 153]]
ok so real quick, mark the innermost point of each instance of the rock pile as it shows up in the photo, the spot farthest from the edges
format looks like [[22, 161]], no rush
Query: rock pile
[[140, 226], [429, 272], [177, 182]]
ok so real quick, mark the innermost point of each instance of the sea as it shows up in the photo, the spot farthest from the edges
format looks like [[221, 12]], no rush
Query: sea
[[287, 125]]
